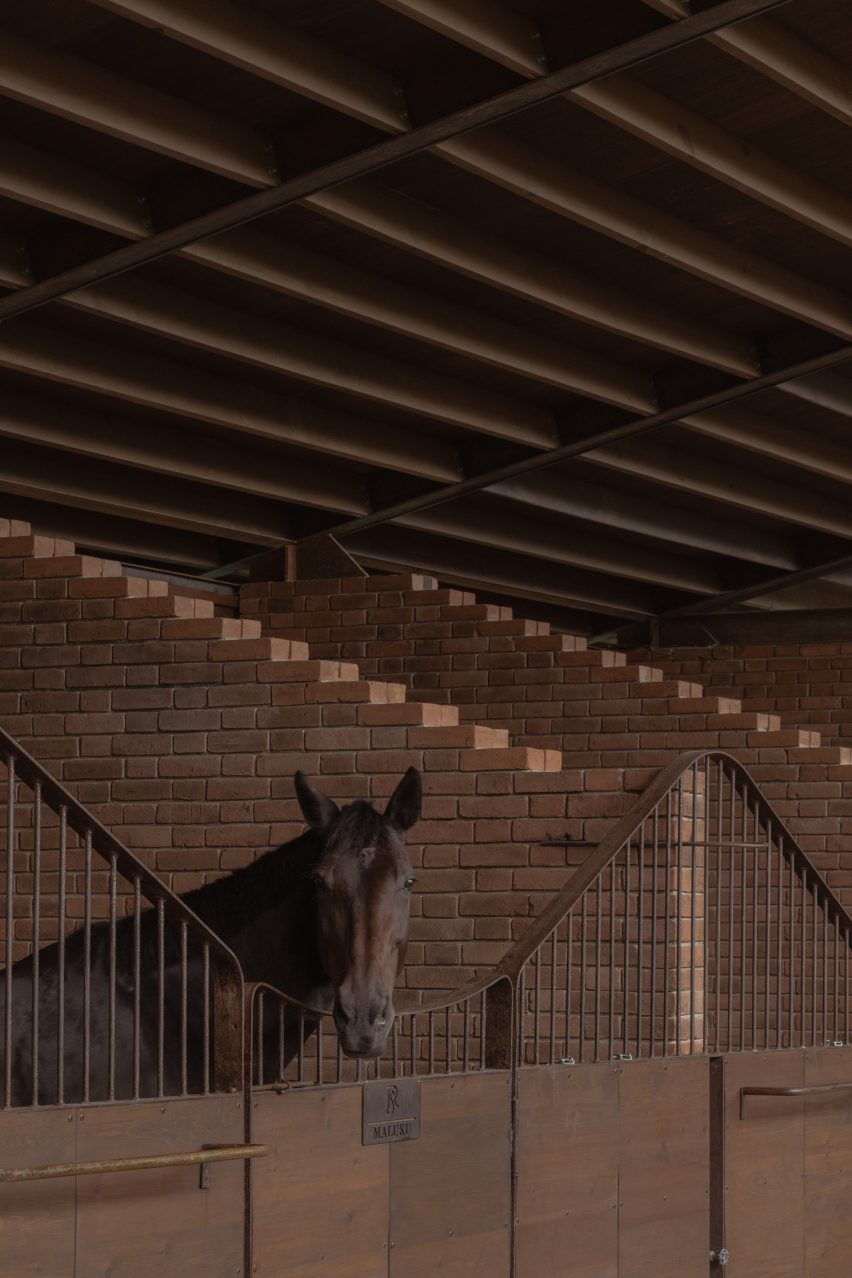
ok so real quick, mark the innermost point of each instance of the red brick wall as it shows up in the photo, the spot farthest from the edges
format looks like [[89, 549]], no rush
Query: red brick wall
[[809, 685], [616, 719]]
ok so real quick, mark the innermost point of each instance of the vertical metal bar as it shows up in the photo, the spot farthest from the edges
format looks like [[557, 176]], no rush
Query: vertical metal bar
[[60, 954], [161, 995], [718, 949], [412, 1046], [836, 1033], [569, 961], [339, 1061], [584, 940], [359, 1069], [184, 993], [301, 1075], [431, 1042], [626, 926], [679, 912], [667, 914], [554, 952], [205, 980], [137, 984], [36, 959], [744, 918], [779, 953], [640, 938], [395, 1042], [803, 880], [87, 965], [113, 887], [815, 953], [466, 1038], [731, 882], [824, 971], [282, 1027], [654, 890], [10, 928], [260, 1045], [767, 950], [483, 1036], [449, 1041], [791, 1011], [846, 987], [611, 958], [755, 889], [693, 893], [319, 1049], [598, 981], [522, 1014], [536, 1005]]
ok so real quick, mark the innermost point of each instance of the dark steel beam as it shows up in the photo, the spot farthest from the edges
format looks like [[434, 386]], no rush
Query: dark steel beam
[[456, 124]]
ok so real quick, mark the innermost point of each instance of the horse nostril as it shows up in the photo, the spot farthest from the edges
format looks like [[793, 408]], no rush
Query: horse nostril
[[381, 1024]]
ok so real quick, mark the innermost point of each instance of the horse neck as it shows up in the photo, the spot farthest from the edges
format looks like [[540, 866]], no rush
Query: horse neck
[[265, 914]]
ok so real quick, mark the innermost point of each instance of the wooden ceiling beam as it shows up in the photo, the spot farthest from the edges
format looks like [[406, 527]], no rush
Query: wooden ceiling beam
[[89, 95], [163, 450], [373, 209], [503, 572], [121, 537], [284, 56], [632, 513], [67, 359], [551, 184], [436, 132], [291, 269], [71, 190], [807, 449], [516, 532], [274, 263], [783, 56], [497, 32], [639, 110], [197, 508], [239, 336], [683, 471]]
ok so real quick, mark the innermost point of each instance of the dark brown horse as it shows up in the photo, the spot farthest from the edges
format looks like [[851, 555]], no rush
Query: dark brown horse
[[323, 918]]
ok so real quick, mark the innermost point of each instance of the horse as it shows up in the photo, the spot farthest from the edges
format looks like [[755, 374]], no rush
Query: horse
[[323, 918]]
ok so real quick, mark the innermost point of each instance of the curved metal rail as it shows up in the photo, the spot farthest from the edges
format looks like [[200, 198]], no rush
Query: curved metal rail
[[698, 924]]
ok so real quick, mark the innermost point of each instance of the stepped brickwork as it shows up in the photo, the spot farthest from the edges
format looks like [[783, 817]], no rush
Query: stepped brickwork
[[181, 731], [616, 719]]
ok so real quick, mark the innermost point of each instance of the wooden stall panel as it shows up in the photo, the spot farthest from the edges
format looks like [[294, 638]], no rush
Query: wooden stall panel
[[568, 1156], [664, 1181], [764, 1166], [321, 1200], [451, 1189], [160, 1224], [37, 1220], [828, 1164]]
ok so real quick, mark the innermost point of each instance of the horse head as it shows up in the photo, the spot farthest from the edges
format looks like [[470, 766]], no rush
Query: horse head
[[362, 878]]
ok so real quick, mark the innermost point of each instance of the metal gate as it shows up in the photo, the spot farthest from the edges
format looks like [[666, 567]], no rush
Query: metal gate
[[123, 1121]]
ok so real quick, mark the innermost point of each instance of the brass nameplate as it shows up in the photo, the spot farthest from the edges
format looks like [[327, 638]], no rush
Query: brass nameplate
[[391, 1111]]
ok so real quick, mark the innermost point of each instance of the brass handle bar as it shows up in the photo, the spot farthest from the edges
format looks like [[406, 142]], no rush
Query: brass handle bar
[[210, 1154], [822, 1090]]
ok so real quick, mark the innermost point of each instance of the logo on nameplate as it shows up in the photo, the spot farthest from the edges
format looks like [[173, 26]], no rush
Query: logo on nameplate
[[391, 1111]]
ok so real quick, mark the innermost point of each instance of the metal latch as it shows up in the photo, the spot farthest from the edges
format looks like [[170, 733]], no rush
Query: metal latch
[[720, 1257], [623, 1056], [834, 1042], [567, 1060]]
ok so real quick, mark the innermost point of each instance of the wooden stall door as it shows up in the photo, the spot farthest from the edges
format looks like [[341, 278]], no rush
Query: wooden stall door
[[451, 1188], [37, 1219], [160, 1224], [613, 1170], [320, 1202], [828, 1164]]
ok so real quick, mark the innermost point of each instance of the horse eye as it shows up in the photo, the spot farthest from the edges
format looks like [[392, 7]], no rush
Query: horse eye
[[409, 883]]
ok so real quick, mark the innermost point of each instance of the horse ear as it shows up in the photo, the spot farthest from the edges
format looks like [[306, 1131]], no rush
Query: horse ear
[[403, 808], [318, 810]]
